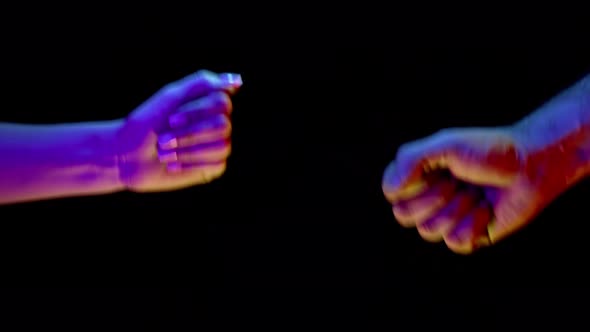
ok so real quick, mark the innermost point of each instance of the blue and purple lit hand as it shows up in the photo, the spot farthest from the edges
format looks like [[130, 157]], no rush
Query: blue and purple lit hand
[[180, 137]]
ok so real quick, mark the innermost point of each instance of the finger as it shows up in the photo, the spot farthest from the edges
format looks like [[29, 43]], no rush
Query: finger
[[471, 232], [412, 185], [473, 155], [215, 128], [408, 167], [202, 153], [440, 224], [232, 82], [215, 103], [416, 210], [419, 186], [192, 87], [202, 83], [195, 172]]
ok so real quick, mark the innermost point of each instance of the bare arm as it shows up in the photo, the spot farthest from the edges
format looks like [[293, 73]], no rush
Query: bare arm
[[559, 131], [52, 161], [144, 152], [518, 171], [564, 115], [64, 160]]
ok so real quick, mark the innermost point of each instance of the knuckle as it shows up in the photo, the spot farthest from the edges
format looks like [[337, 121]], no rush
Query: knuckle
[[405, 150], [227, 125], [210, 173], [446, 131], [403, 217], [452, 243], [205, 176], [203, 72], [462, 246], [217, 171], [400, 210], [203, 78], [221, 168], [449, 134], [222, 101], [429, 235], [204, 75], [226, 151], [171, 91], [388, 174], [462, 250]]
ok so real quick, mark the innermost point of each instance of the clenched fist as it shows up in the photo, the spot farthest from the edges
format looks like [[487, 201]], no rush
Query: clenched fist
[[179, 137], [474, 186]]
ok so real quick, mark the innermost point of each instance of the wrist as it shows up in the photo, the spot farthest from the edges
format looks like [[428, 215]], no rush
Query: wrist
[[559, 131], [555, 152], [106, 159]]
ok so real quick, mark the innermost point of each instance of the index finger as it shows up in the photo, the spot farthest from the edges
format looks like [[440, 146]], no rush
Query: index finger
[[403, 176], [420, 182]]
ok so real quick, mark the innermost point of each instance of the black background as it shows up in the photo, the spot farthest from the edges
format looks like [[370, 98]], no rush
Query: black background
[[297, 229]]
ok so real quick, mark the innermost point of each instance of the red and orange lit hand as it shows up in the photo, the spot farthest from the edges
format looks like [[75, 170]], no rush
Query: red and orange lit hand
[[474, 186]]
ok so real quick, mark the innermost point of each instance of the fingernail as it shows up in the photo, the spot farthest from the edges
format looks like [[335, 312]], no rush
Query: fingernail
[[232, 80], [174, 167], [177, 120], [168, 157], [167, 142]]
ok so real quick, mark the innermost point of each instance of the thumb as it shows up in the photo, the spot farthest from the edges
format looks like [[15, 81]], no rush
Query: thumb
[[192, 87], [479, 156]]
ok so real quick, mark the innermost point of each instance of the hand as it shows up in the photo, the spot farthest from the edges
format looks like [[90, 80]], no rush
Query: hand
[[471, 187], [180, 136]]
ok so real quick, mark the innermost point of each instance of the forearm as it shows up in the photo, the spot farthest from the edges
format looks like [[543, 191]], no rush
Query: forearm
[[559, 131], [53, 161]]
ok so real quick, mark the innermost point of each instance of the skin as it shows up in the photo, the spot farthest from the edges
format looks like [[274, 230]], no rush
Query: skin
[[178, 138], [472, 187]]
